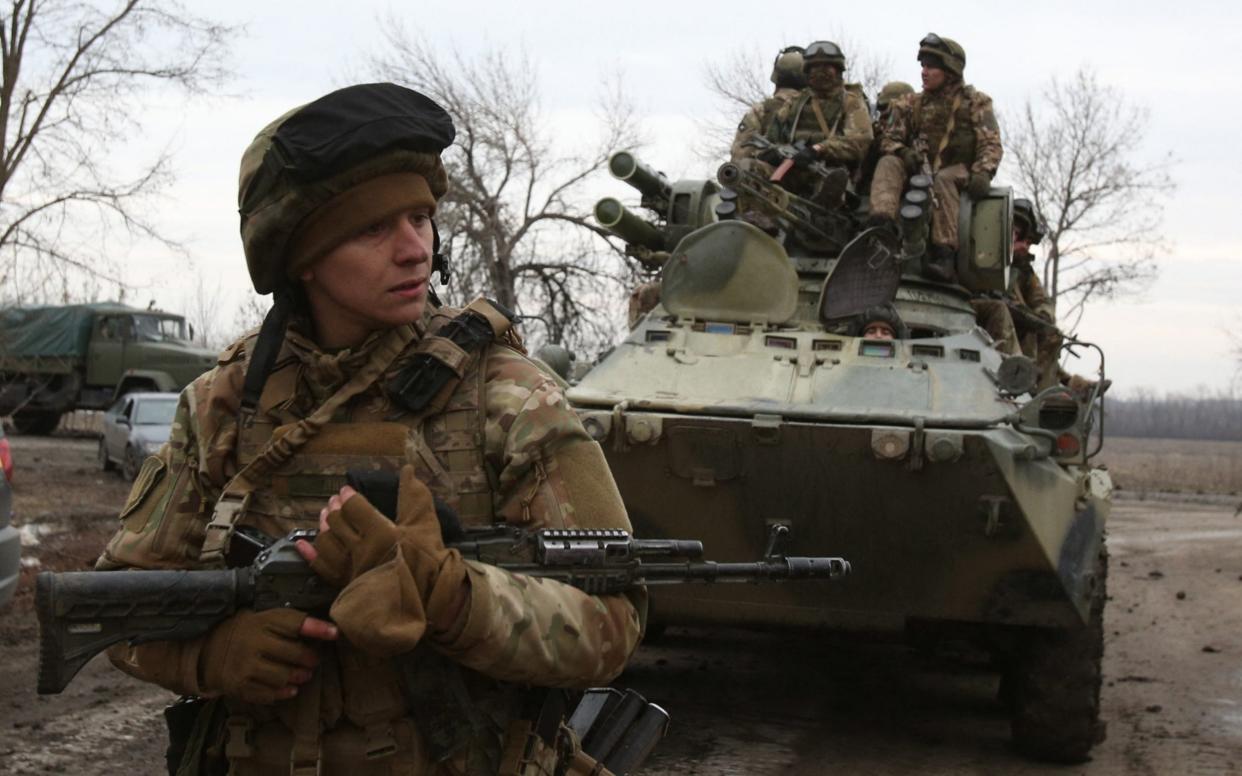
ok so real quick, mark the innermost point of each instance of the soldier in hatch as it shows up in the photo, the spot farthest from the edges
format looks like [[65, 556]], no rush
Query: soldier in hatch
[[949, 131], [341, 230], [789, 81], [830, 122]]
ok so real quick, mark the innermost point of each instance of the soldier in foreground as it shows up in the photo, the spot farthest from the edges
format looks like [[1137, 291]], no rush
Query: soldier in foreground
[[356, 368], [789, 81], [948, 131], [830, 122]]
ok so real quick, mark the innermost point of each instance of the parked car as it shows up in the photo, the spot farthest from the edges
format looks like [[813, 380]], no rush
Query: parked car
[[10, 541], [134, 428]]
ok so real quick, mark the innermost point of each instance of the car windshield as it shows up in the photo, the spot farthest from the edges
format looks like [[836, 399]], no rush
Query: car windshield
[[155, 412], [157, 329]]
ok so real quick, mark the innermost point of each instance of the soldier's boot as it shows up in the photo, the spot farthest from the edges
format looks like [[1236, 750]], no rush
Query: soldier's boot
[[832, 190], [938, 265]]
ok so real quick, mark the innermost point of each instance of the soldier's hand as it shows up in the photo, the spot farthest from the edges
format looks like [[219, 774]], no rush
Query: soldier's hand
[[979, 185], [911, 159], [354, 537], [806, 156], [261, 657]]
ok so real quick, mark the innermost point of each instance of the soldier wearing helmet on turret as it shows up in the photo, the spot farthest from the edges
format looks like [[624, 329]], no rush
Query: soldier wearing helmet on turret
[[830, 121], [788, 79], [947, 130], [892, 91]]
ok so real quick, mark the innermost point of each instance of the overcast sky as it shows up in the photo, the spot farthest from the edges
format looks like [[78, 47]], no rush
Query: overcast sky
[[1178, 60]]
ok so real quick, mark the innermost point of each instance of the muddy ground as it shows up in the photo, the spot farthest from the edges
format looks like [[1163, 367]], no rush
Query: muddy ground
[[743, 703]]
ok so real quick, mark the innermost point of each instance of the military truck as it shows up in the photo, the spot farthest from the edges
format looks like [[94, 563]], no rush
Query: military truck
[[961, 492], [54, 360]]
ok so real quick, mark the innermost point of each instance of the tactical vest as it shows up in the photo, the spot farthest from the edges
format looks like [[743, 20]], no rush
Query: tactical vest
[[933, 120], [804, 124], [360, 708]]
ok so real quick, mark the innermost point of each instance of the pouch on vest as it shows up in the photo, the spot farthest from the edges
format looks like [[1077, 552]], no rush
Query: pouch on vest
[[195, 727]]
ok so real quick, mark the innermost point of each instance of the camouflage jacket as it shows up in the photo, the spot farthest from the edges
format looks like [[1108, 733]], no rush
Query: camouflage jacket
[[1026, 289], [953, 125], [844, 113], [531, 455], [758, 120]]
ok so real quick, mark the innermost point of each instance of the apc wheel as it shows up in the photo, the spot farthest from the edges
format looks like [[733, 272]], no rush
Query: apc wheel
[[1054, 687], [105, 463], [36, 422], [131, 464]]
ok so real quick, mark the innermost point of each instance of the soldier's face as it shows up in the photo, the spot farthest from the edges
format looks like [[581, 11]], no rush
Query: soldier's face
[[933, 77], [879, 330], [375, 280], [1021, 243], [822, 76]]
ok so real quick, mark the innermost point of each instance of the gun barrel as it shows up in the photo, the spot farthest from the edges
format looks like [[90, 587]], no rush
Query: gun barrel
[[776, 568], [616, 218], [625, 166]]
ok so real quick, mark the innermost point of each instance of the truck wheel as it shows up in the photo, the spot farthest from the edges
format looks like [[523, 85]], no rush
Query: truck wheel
[[1054, 687], [105, 463], [131, 464], [36, 422]]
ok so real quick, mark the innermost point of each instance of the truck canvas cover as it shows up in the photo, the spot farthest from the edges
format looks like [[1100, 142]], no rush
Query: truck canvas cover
[[62, 331]]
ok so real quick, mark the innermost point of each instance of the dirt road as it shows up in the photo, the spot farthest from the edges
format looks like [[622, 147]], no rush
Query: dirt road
[[745, 703]]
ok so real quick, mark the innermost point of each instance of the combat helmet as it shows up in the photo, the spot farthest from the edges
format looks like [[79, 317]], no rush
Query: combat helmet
[[891, 91], [374, 135], [822, 51], [884, 313], [787, 68], [944, 52], [1027, 220]]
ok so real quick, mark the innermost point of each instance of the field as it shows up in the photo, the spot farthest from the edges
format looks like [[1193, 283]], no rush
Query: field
[[1186, 466]]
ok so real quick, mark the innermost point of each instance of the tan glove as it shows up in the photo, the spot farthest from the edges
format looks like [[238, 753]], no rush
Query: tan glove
[[385, 611], [358, 538], [257, 657]]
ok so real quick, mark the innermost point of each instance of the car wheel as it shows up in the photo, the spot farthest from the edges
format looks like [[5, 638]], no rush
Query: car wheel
[[105, 462], [131, 464]]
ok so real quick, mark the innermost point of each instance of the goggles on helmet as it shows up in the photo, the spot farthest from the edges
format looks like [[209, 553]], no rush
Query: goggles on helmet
[[932, 40], [823, 48]]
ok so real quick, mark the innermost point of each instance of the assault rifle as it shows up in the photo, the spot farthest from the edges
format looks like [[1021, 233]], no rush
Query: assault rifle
[[83, 613]]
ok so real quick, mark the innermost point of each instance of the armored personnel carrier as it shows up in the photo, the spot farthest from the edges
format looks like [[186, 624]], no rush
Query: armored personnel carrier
[[961, 491]]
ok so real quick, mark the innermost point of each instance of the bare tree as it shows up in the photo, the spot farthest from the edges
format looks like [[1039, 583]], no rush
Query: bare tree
[[741, 78], [75, 75], [515, 221], [1076, 151]]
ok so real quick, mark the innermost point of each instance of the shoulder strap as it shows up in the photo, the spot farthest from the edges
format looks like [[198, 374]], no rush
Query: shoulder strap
[[424, 385], [235, 496]]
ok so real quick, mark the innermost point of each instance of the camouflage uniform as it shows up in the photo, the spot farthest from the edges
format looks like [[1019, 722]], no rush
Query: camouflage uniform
[[642, 301], [955, 131], [1041, 344], [757, 121], [505, 447], [843, 136]]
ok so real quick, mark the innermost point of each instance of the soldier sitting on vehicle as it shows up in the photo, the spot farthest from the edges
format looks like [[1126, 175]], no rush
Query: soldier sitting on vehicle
[[789, 80], [829, 122], [883, 105], [948, 131]]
